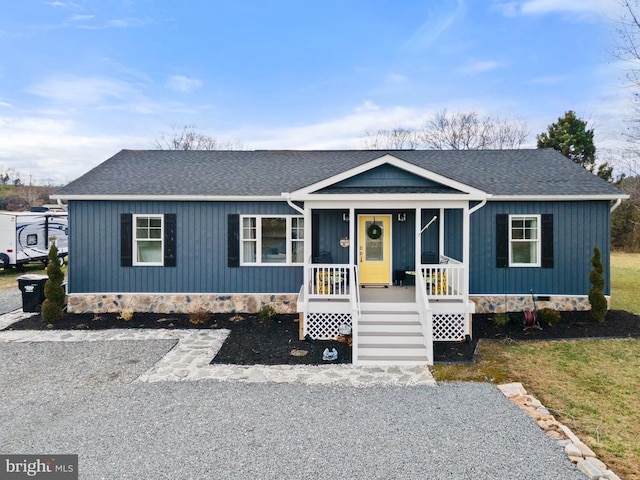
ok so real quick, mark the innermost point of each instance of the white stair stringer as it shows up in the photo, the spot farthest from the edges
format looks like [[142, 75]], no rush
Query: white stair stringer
[[391, 338]]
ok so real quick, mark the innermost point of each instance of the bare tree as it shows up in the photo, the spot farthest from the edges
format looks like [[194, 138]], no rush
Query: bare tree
[[453, 131], [188, 138], [468, 131], [394, 139]]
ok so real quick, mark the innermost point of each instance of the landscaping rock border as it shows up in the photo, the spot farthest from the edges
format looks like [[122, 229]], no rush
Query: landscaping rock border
[[579, 453]]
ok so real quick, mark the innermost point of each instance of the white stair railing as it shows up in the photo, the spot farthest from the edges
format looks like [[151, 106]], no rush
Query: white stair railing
[[355, 313], [425, 314]]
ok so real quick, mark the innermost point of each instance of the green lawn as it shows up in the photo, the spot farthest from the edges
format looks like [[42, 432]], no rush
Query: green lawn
[[625, 282], [8, 278], [590, 385]]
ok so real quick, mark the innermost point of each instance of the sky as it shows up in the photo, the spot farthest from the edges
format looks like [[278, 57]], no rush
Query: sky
[[82, 79]]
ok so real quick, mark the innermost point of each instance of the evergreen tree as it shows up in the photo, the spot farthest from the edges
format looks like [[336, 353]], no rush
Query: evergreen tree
[[596, 294], [52, 307], [570, 137]]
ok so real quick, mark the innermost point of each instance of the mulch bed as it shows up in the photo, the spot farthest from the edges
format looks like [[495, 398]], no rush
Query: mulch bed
[[271, 342], [618, 324], [251, 341]]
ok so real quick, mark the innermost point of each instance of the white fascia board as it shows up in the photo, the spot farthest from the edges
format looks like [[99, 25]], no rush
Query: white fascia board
[[385, 205], [175, 198], [556, 198], [390, 160], [389, 197]]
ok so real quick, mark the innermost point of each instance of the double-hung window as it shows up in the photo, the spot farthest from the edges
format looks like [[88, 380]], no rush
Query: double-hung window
[[272, 240], [524, 240], [148, 237]]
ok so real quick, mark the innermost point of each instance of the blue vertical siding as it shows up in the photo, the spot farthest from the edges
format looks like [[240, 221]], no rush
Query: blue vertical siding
[[403, 241], [331, 229], [430, 239], [201, 246], [577, 228], [387, 176], [453, 233]]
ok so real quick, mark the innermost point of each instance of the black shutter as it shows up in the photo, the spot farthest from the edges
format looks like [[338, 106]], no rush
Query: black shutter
[[126, 240], [547, 240], [315, 237], [170, 240], [233, 240], [502, 240]]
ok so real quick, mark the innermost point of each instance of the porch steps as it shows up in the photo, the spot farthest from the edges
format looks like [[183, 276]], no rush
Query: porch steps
[[390, 338]]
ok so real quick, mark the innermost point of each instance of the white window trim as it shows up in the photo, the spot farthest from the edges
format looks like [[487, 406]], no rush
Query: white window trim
[[538, 240], [134, 239], [258, 241]]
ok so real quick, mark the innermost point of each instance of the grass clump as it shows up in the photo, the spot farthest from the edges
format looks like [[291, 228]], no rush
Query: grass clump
[[126, 314], [500, 320], [199, 317], [549, 316], [267, 313]]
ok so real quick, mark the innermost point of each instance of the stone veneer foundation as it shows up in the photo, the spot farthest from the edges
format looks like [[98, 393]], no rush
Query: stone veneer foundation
[[180, 303], [501, 304], [283, 303]]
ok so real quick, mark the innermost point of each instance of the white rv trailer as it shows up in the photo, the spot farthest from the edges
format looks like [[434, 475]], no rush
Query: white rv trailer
[[26, 237]]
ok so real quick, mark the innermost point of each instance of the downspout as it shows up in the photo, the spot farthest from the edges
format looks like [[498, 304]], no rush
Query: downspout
[[616, 205], [478, 207], [287, 196]]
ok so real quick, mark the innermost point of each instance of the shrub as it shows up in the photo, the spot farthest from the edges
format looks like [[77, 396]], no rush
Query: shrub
[[126, 314], [596, 295], [549, 316], [500, 320], [267, 313], [199, 317], [53, 306]]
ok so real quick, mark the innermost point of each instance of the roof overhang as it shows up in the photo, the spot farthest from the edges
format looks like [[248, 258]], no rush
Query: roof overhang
[[466, 192], [557, 198], [174, 198]]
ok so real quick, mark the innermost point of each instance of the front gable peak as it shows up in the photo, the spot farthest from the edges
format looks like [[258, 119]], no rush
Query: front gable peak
[[387, 175]]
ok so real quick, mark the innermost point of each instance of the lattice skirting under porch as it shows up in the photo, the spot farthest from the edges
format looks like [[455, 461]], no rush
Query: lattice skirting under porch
[[325, 326], [449, 326]]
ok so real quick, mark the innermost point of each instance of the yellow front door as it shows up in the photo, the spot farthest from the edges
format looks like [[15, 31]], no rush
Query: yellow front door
[[374, 249]]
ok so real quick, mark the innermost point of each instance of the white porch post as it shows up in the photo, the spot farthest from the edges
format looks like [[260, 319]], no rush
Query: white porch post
[[352, 236], [465, 246], [418, 242], [441, 235], [308, 249]]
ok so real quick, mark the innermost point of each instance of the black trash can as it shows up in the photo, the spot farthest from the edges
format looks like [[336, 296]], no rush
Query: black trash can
[[32, 288]]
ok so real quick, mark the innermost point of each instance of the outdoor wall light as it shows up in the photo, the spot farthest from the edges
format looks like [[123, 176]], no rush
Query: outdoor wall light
[[345, 217], [402, 217]]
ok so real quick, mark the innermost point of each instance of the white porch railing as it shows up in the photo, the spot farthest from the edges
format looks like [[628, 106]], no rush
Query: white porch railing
[[425, 315], [328, 281], [444, 280]]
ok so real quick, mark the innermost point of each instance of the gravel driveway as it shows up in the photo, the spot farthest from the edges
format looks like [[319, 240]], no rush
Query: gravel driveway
[[10, 299], [76, 398]]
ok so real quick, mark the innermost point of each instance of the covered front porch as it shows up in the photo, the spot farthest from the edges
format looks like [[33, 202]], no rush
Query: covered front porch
[[416, 293], [386, 253]]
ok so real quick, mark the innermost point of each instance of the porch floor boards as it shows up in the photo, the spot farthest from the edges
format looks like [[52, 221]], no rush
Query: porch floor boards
[[391, 294]]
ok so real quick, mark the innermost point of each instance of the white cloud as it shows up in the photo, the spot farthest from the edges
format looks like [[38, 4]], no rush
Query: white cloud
[[183, 84], [397, 78], [481, 66], [81, 18], [437, 23], [78, 91], [47, 149], [582, 9]]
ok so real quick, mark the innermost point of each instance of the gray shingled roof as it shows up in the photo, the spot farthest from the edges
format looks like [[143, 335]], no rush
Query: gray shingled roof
[[269, 173]]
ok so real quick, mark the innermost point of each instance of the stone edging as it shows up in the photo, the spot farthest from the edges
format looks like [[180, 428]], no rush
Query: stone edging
[[579, 453]]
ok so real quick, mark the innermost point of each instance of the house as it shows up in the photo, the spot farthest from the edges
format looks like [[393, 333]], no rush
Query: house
[[402, 246]]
